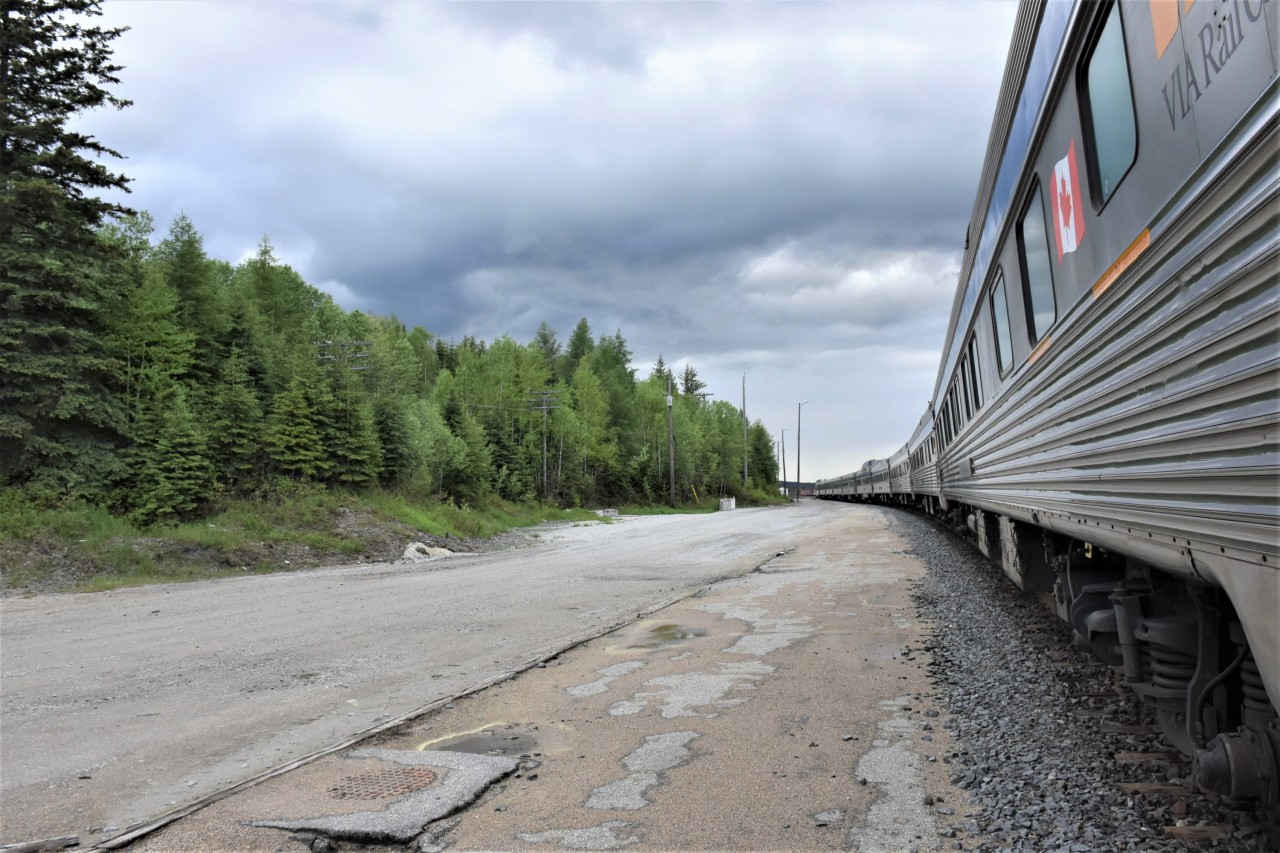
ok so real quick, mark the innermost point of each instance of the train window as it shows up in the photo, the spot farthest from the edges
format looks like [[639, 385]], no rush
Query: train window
[[1000, 320], [975, 375], [1110, 126], [1033, 246]]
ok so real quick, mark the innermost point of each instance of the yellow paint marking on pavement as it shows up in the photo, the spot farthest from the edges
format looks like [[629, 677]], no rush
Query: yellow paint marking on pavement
[[427, 744]]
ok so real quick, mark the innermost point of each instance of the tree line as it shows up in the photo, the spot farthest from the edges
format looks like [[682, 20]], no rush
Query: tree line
[[145, 375]]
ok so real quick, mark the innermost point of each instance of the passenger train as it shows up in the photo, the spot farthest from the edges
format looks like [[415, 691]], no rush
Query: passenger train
[[1104, 421]]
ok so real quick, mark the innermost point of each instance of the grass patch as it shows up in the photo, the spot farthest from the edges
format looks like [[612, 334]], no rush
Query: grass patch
[[84, 548], [494, 516], [22, 521], [682, 509], [421, 517]]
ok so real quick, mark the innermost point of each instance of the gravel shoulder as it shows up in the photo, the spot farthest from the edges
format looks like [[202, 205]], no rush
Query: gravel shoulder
[[1039, 725]]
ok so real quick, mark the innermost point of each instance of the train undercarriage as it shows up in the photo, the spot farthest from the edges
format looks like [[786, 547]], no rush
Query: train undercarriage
[[1177, 644]]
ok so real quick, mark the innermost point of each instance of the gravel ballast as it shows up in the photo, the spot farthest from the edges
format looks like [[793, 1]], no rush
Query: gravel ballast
[[1028, 712]]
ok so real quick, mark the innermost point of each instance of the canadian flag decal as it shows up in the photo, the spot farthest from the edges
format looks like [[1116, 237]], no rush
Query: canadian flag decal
[[1067, 209]]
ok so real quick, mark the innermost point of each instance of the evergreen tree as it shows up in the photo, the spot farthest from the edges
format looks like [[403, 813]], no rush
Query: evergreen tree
[[237, 443], [660, 370], [580, 346], [201, 298], [291, 439], [282, 310], [355, 453], [546, 344], [152, 351], [446, 356], [174, 471], [394, 423], [611, 361], [689, 382], [57, 417]]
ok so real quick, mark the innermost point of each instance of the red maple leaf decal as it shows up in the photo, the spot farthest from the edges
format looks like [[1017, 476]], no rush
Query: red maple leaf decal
[[1065, 213]]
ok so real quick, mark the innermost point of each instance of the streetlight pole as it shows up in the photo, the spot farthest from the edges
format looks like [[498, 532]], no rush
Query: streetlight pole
[[798, 405]]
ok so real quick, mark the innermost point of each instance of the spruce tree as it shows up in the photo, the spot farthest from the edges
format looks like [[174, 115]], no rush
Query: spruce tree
[[152, 351], [689, 382], [201, 298], [57, 417], [660, 369], [355, 453], [238, 441], [175, 475], [580, 345], [546, 344], [394, 424], [291, 439]]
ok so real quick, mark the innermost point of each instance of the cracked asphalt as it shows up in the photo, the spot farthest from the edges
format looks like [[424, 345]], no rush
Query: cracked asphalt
[[119, 707], [775, 710]]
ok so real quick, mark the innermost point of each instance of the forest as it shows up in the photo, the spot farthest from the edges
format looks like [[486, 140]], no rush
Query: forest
[[139, 374]]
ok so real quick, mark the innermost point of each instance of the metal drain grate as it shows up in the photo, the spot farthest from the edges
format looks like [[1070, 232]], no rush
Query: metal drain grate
[[383, 784]]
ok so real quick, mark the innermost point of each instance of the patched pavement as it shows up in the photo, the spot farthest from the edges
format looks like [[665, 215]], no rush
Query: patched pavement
[[784, 710]]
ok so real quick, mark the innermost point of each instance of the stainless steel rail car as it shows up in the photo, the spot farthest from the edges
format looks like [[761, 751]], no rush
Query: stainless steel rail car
[[1106, 418]]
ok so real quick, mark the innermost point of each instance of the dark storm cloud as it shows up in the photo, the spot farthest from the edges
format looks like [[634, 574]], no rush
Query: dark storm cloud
[[752, 183]]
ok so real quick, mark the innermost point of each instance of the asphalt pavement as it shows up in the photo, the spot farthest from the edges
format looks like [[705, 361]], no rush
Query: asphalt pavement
[[783, 709], [117, 708]]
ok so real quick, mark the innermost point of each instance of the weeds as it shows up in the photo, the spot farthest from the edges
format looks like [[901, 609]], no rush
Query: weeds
[[83, 548]]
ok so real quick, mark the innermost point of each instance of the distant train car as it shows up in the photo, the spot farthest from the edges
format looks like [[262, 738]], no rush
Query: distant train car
[[899, 482], [1106, 418]]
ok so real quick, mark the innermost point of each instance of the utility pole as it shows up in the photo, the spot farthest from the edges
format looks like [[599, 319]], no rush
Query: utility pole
[[745, 446], [798, 451], [784, 460], [671, 442], [544, 401]]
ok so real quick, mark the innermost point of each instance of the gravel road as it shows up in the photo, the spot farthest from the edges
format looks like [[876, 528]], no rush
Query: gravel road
[[120, 706]]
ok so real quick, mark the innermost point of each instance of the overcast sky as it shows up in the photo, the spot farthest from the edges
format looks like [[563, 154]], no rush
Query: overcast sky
[[775, 188]]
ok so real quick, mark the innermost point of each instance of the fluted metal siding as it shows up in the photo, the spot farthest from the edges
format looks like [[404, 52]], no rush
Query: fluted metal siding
[[1151, 424], [1157, 405]]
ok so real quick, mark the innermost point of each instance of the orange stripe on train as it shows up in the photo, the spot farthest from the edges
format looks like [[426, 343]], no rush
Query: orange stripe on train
[[1122, 263]]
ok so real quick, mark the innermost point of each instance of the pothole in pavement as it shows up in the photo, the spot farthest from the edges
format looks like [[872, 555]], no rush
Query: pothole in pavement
[[493, 740], [771, 567], [652, 635], [667, 635]]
